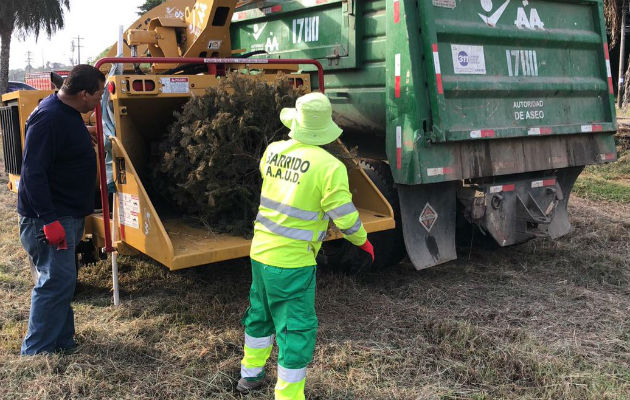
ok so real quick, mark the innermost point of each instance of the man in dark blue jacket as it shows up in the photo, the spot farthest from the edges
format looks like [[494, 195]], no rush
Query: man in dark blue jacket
[[55, 193]]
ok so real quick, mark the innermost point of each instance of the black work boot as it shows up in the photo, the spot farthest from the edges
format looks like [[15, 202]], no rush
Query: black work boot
[[245, 386]]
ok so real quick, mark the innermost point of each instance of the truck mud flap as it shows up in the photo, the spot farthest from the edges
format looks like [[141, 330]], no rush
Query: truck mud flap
[[560, 224], [428, 215]]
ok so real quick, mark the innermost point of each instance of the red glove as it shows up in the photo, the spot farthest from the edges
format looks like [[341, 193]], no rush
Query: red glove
[[56, 235], [368, 248]]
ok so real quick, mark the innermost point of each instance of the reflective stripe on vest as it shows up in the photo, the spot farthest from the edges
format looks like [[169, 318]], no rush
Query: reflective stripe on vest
[[289, 210], [353, 229], [341, 211], [291, 375], [291, 233]]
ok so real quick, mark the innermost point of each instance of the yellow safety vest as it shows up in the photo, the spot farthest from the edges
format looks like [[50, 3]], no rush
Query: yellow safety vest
[[303, 187]]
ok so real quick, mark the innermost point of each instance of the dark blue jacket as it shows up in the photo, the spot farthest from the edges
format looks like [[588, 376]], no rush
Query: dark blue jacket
[[58, 175]]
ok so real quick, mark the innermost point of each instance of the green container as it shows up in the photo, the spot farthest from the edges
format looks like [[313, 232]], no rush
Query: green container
[[447, 79], [495, 105]]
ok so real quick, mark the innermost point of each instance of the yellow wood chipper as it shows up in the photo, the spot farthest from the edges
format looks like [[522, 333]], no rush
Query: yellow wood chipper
[[190, 51]]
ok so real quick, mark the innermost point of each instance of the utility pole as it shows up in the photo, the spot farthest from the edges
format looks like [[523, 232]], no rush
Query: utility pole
[[78, 38], [29, 67], [622, 54]]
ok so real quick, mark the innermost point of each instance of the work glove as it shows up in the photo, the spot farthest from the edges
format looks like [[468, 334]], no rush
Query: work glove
[[368, 248], [56, 235]]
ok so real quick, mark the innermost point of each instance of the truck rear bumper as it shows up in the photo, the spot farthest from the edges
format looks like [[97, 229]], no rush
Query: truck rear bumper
[[518, 208]]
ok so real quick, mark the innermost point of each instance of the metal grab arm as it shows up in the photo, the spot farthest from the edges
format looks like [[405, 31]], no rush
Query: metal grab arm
[[169, 60]]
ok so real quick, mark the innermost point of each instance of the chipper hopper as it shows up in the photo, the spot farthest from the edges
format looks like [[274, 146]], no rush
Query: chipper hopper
[[143, 106]]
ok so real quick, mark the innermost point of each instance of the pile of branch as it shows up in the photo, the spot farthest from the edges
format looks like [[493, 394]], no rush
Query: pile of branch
[[207, 164]]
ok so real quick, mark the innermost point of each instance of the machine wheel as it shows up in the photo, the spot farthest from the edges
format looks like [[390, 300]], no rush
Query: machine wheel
[[389, 246]]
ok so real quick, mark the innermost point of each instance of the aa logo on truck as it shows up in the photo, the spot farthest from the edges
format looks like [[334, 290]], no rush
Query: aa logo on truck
[[523, 19]]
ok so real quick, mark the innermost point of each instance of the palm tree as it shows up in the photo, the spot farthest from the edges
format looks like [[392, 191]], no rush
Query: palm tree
[[27, 16]]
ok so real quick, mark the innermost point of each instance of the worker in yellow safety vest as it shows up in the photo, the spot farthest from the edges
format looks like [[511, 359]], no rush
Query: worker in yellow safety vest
[[303, 187]]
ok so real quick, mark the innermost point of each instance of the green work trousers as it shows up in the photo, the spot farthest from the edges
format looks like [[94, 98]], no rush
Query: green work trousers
[[282, 303]]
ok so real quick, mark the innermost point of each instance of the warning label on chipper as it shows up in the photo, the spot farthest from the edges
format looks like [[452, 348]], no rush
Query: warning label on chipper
[[175, 85], [129, 210]]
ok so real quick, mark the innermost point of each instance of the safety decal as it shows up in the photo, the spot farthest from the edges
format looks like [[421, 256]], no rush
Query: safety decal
[[543, 183], [129, 210], [397, 76], [468, 59], [428, 217], [439, 171], [609, 74], [539, 131], [438, 70], [482, 133], [502, 188], [175, 85], [591, 128]]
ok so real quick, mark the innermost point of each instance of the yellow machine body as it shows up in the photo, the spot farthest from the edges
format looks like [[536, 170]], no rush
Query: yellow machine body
[[138, 223], [144, 110]]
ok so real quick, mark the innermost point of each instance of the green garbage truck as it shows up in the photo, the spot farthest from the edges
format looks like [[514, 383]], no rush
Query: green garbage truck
[[474, 117]]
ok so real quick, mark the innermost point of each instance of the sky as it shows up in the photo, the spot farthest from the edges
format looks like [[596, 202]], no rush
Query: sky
[[96, 21]]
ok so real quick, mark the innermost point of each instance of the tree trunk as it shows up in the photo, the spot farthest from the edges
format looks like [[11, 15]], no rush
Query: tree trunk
[[5, 49]]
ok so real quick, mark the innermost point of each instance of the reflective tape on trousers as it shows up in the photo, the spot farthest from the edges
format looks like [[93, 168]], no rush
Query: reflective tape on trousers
[[291, 233], [353, 229], [258, 343], [291, 375], [341, 211], [289, 210], [250, 372]]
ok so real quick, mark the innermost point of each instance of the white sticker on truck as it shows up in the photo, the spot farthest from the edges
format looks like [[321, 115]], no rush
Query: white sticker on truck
[[468, 59], [175, 85]]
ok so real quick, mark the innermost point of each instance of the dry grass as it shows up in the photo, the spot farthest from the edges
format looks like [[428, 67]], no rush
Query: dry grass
[[544, 320]]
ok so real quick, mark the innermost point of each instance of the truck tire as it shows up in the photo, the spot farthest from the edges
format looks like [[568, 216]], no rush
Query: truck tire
[[389, 246]]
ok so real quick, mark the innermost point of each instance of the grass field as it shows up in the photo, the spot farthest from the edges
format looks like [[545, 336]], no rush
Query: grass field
[[542, 320]]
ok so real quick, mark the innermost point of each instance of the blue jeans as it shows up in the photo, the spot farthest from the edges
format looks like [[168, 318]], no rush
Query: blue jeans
[[51, 320]]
